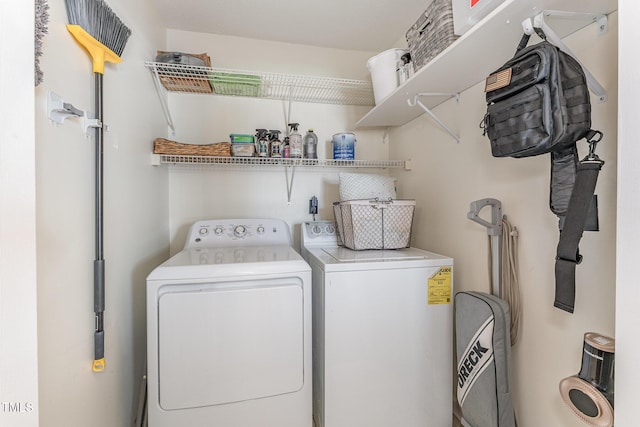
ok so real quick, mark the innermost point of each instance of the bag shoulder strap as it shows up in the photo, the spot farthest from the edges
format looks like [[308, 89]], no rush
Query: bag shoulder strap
[[525, 39], [568, 254]]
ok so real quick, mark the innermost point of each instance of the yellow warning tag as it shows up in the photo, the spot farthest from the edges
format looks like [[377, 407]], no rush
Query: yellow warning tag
[[440, 287]]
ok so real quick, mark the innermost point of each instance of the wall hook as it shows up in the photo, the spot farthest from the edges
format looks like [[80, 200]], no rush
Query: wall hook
[[90, 122], [59, 111]]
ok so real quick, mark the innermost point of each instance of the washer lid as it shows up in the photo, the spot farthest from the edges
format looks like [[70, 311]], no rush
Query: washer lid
[[342, 254]]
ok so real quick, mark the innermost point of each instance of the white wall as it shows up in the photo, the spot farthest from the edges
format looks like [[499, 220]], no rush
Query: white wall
[[18, 322], [135, 223], [628, 236], [447, 176], [261, 192]]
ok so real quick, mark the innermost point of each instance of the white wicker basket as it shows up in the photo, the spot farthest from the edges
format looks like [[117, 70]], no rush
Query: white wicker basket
[[432, 33]]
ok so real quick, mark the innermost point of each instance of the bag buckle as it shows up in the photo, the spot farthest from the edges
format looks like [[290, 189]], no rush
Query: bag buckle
[[576, 261], [484, 123], [593, 137]]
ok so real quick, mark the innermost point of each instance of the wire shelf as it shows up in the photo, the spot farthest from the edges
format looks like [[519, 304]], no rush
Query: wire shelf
[[221, 81], [181, 160]]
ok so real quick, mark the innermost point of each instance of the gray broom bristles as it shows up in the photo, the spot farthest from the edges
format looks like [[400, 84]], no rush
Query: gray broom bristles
[[97, 19], [41, 21]]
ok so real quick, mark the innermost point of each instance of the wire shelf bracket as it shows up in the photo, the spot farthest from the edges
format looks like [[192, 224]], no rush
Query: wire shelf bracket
[[162, 96], [416, 101], [529, 26], [289, 180]]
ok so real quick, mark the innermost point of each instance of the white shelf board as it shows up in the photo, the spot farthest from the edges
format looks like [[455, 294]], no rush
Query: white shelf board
[[187, 160], [476, 54]]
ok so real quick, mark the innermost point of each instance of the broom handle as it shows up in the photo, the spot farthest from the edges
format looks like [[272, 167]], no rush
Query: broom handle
[[98, 263]]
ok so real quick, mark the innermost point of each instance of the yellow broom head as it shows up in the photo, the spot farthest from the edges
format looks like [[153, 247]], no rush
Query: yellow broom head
[[98, 30], [99, 52]]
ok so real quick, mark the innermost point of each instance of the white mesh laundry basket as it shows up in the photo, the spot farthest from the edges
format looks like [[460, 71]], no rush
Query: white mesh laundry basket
[[374, 224]]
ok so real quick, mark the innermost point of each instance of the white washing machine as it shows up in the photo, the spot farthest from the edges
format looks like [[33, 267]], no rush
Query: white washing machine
[[382, 334], [229, 329]]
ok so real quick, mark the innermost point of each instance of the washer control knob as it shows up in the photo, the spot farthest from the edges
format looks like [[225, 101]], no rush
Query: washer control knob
[[316, 229], [260, 229], [240, 231], [204, 231], [330, 229], [218, 231]]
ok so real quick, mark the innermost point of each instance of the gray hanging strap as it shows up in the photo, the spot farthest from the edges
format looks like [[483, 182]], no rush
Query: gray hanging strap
[[564, 167], [568, 255]]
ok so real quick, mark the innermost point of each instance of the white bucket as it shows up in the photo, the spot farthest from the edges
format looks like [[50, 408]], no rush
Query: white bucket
[[384, 72]]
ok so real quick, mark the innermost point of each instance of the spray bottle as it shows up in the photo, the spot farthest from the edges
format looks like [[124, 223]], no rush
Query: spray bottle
[[276, 144], [286, 151], [295, 142], [310, 145], [262, 143]]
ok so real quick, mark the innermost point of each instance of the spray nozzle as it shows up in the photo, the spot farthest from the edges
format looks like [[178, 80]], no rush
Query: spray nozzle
[[275, 134], [294, 126]]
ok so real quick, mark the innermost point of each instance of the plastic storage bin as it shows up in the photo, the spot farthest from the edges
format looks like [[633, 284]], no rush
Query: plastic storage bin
[[432, 33], [374, 224], [235, 84], [384, 72], [241, 138]]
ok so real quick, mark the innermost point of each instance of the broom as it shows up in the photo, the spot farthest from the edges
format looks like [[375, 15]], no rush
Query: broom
[[103, 35]]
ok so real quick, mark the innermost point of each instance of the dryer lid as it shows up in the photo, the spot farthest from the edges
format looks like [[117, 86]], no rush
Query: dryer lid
[[229, 261], [233, 255]]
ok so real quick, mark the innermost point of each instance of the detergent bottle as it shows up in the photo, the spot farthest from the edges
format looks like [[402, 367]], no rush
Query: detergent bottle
[[310, 145]]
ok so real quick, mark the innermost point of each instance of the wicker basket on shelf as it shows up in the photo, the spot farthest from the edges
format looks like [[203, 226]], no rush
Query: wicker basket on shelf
[[186, 78], [166, 146], [432, 33]]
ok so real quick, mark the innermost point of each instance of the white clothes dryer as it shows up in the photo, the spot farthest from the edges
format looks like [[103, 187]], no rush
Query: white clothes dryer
[[229, 329], [382, 334]]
